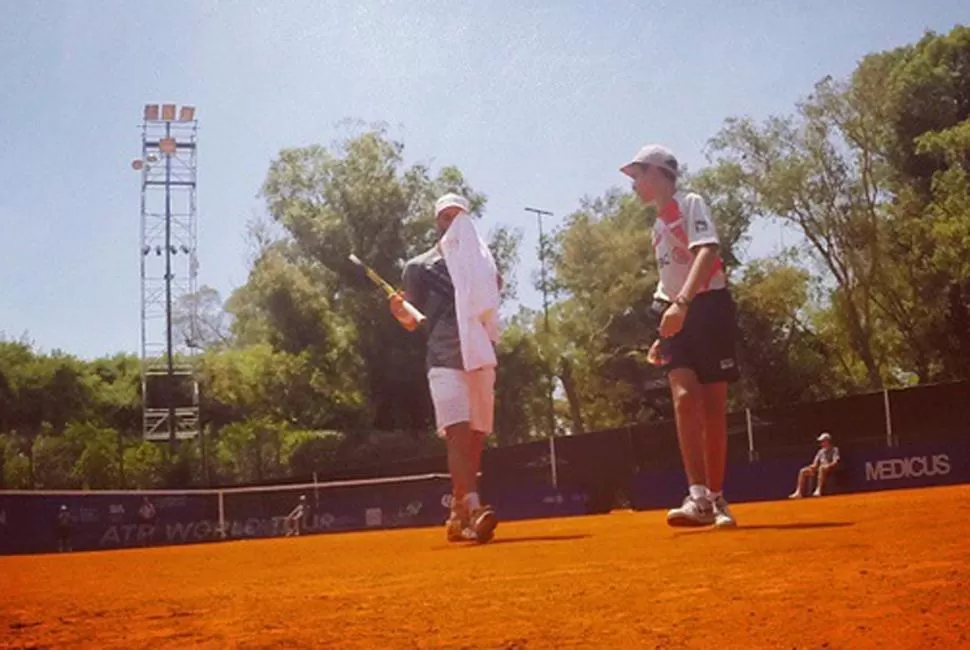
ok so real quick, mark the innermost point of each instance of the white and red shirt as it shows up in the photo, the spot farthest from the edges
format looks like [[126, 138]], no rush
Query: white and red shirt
[[681, 227]]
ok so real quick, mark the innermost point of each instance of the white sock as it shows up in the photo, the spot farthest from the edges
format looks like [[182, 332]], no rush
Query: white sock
[[699, 492], [714, 496], [471, 500]]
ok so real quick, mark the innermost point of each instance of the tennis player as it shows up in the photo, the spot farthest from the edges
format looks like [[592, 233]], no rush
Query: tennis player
[[456, 285], [697, 331]]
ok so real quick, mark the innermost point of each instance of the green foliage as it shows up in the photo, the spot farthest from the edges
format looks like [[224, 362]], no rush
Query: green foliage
[[522, 383], [144, 466], [784, 359], [97, 466], [605, 274], [252, 451], [16, 469], [306, 452]]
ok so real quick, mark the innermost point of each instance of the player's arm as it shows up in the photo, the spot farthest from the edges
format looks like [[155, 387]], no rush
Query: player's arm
[[703, 241], [705, 258], [835, 458], [412, 293]]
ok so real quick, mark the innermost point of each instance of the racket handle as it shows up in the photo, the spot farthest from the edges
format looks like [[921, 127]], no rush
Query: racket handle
[[409, 317], [414, 313]]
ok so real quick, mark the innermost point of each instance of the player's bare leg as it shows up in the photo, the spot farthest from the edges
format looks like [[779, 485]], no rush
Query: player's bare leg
[[803, 475], [473, 451], [823, 472], [476, 446], [484, 519], [714, 398], [463, 463], [688, 397], [462, 480], [715, 433]]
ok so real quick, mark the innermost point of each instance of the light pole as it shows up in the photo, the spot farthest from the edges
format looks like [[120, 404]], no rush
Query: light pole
[[545, 310], [542, 262]]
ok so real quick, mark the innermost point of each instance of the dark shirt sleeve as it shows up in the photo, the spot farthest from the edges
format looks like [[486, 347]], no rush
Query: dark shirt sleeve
[[414, 285]]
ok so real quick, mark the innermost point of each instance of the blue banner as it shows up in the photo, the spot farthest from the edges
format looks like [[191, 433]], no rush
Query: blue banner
[[537, 503], [29, 523], [861, 469]]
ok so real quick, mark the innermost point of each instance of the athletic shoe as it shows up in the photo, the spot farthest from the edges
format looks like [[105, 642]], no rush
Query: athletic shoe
[[795, 495], [722, 514], [484, 521], [693, 512], [816, 493], [454, 528]]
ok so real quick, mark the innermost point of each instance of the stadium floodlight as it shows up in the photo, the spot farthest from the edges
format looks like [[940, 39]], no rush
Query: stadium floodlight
[[167, 145], [187, 114], [137, 164], [151, 112], [151, 158], [168, 112]]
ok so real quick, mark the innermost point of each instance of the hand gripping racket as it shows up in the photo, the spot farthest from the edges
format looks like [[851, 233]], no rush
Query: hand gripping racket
[[388, 289]]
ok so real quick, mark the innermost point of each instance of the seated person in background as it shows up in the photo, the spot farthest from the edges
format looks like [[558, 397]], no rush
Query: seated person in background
[[826, 461]]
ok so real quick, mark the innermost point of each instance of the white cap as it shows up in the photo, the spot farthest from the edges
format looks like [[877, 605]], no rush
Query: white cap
[[825, 436], [451, 201], [653, 154]]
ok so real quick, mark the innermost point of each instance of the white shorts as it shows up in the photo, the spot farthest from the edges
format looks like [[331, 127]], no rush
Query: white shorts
[[463, 396]]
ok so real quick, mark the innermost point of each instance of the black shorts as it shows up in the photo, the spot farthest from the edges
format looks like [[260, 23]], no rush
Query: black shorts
[[707, 344]]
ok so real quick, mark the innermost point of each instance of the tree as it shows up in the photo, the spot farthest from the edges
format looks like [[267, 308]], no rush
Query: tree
[[356, 196], [521, 385], [144, 465], [927, 134], [54, 455], [115, 392], [97, 466], [818, 171], [251, 451], [201, 319], [16, 465], [307, 452], [259, 382], [784, 359], [604, 275]]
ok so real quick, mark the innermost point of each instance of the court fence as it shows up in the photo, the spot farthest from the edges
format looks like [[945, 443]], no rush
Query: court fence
[[897, 438]]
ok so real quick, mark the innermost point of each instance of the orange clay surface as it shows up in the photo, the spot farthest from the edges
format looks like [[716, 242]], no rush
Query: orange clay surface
[[883, 570]]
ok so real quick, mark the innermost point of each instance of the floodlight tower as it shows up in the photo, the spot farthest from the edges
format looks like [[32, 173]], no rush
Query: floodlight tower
[[169, 269]]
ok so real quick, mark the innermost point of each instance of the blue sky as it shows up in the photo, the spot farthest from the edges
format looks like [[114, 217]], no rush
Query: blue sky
[[538, 103]]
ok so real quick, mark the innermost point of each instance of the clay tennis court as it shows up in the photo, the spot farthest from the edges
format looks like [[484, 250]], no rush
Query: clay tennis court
[[885, 570]]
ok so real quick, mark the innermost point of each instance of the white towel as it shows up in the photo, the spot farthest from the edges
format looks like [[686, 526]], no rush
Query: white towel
[[475, 278]]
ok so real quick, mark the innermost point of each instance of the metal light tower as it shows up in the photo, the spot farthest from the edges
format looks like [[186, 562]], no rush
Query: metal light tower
[[169, 268]]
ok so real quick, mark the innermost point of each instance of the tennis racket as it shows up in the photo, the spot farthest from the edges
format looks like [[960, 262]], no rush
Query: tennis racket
[[381, 283]]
